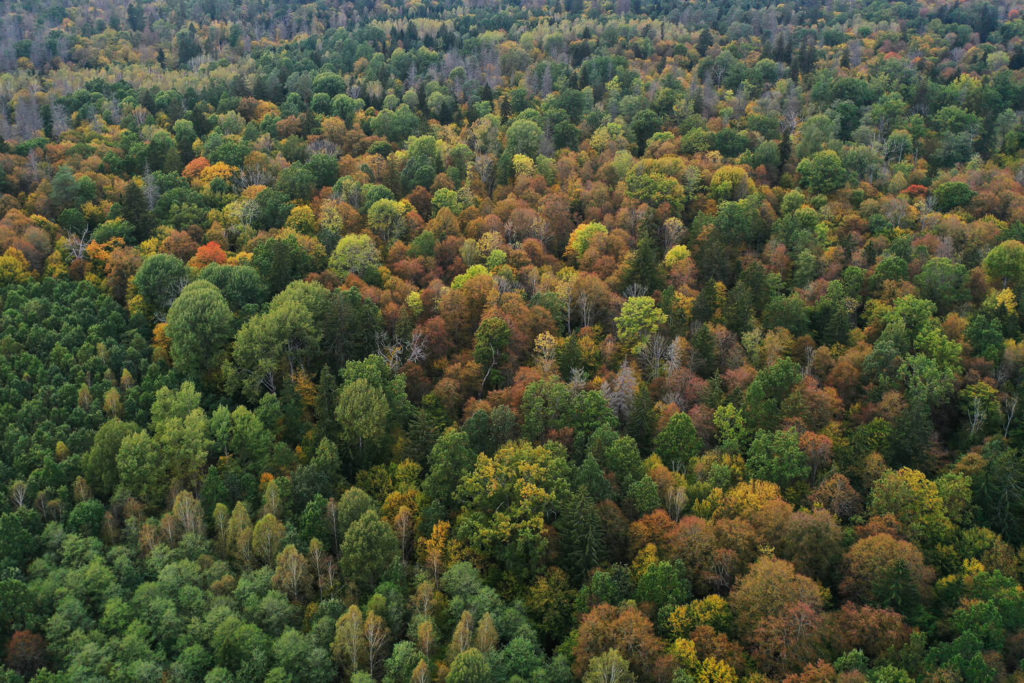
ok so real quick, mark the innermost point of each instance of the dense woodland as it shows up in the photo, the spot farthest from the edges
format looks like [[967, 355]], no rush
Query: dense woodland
[[602, 340]]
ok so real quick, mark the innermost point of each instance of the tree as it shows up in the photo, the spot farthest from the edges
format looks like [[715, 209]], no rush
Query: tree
[[998, 491], [362, 412], [788, 641], [14, 267], [356, 254], [267, 535], [386, 218], [369, 549], [645, 267], [626, 630], [240, 285], [291, 575], [777, 457], [271, 347], [644, 124], [704, 41], [297, 182], [160, 279], [99, 464], [639, 320], [664, 584], [136, 210], [469, 666], [281, 260], [376, 634], [199, 325], [767, 589], [505, 499], [887, 572], [141, 469], [581, 238], [490, 350], [297, 654], [949, 196], [546, 406], [944, 282], [26, 653], [678, 443], [349, 643], [523, 137], [423, 163], [608, 668], [450, 458], [823, 172], [1005, 264], [648, 185], [916, 502]]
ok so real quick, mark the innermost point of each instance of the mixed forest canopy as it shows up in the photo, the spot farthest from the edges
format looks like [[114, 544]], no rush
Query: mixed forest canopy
[[615, 341]]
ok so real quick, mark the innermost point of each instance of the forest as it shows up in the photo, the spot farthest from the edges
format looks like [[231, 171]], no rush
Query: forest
[[465, 341]]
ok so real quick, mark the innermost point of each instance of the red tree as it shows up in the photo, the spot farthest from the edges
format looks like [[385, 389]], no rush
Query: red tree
[[26, 653]]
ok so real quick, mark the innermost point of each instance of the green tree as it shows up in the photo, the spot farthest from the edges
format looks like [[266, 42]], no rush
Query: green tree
[[303, 660], [356, 254], [281, 261], [949, 196], [272, 347], [645, 267], [639, 320], [159, 280], [369, 549], [545, 406], [297, 182], [135, 209], [450, 459], [240, 285], [643, 125], [386, 218], [823, 172], [505, 499], [99, 463], [140, 468], [199, 325], [523, 137], [470, 666], [362, 413], [490, 350], [678, 443], [1005, 264], [944, 282], [423, 163], [777, 457]]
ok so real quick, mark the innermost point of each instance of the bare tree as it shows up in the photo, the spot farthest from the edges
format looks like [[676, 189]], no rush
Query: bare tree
[[19, 490], [577, 380], [397, 351], [77, 244], [675, 501], [621, 390], [654, 356], [376, 633], [976, 413], [1010, 409], [635, 289]]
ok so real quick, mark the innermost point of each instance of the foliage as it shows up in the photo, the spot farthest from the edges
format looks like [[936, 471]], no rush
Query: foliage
[[625, 341]]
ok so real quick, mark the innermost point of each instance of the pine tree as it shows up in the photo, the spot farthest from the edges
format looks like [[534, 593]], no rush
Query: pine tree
[[135, 210], [645, 267], [642, 422]]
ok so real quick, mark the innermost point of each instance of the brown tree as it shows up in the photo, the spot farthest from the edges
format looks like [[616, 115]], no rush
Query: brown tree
[[625, 629], [767, 590]]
